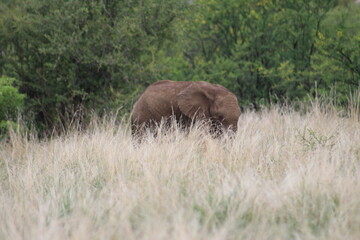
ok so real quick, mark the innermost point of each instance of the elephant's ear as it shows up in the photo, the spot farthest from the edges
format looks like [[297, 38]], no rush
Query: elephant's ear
[[194, 101]]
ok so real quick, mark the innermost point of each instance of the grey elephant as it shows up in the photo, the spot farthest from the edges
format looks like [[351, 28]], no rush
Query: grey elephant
[[186, 102]]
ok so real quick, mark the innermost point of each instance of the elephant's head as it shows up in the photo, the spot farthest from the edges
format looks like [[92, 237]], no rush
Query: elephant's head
[[203, 100]]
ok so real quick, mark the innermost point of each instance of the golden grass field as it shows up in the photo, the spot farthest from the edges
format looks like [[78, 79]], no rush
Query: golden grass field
[[285, 175]]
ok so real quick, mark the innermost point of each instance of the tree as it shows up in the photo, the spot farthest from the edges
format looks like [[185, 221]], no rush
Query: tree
[[258, 49], [72, 55]]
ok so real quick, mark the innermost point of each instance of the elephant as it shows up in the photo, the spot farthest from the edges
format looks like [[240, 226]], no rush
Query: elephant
[[187, 102]]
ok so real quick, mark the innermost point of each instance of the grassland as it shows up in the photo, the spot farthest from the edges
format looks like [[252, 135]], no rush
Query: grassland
[[285, 175]]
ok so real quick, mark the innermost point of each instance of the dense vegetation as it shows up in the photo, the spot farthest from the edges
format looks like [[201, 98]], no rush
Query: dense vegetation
[[70, 57]]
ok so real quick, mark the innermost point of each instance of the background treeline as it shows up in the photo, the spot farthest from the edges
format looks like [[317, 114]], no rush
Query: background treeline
[[60, 59]]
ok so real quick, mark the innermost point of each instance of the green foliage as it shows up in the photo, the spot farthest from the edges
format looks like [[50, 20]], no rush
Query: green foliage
[[11, 102], [72, 57], [339, 46], [74, 54], [258, 49]]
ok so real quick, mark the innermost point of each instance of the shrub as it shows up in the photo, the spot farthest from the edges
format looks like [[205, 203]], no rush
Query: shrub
[[11, 102]]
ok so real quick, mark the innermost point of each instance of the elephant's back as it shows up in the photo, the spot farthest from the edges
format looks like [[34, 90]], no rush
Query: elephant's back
[[163, 92], [158, 100], [168, 84]]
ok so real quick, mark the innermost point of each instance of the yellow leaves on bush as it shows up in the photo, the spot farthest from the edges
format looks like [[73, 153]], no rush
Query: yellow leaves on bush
[[263, 3], [253, 13], [339, 34], [286, 69]]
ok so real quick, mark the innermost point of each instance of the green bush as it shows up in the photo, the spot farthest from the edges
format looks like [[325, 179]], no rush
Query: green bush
[[11, 102], [72, 57], [269, 51]]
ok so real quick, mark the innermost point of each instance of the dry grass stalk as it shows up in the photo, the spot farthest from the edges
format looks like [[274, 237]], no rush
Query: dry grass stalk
[[284, 176]]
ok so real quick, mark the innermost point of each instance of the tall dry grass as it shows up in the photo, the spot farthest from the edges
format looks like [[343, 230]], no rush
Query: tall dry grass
[[285, 175]]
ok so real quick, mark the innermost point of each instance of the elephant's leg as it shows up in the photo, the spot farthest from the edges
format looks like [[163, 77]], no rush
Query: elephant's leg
[[137, 130], [141, 130], [184, 122], [216, 129]]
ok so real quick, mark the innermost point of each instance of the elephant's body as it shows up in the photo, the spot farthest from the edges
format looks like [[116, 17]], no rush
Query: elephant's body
[[184, 101], [154, 105]]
